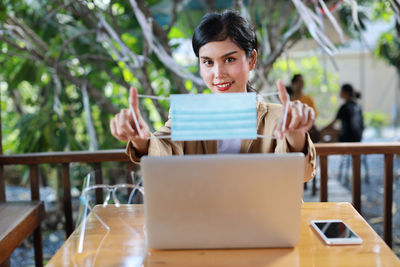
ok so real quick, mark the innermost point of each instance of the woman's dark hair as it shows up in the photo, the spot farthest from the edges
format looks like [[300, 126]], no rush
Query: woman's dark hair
[[222, 26], [348, 88]]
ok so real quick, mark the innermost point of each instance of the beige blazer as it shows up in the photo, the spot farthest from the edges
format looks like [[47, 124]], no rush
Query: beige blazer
[[267, 117]]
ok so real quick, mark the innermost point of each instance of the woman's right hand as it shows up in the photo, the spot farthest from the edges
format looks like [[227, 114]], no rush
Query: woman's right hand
[[124, 128]]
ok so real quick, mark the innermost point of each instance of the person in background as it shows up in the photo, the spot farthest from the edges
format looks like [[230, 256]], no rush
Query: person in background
[[350, 115], [297, 85]]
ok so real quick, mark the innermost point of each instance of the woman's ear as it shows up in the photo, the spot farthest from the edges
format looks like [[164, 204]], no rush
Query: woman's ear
[[253, 59]]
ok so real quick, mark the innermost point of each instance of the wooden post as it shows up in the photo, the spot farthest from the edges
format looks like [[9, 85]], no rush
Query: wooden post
[[35, 195], [356, 182], [35, 184], [2, 184], [2, 178], [324, 179], [1, 131], [69, 224], [98, 180], [388, 199]]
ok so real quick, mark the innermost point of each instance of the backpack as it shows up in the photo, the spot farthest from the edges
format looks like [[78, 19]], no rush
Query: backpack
[[357, 122]]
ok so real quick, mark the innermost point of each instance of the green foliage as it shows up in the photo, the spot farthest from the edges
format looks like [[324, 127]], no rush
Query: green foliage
[[347, 22], [3, 11], [324, 92], [375, 119], [176, 33], [31, 123], [381, 10], [389, 48]]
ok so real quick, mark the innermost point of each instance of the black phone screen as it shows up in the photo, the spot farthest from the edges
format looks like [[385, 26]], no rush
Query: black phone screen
[[335, 230]]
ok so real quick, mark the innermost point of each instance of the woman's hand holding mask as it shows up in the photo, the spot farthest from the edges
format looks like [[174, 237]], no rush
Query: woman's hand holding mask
[[297, 119], [128, 124]]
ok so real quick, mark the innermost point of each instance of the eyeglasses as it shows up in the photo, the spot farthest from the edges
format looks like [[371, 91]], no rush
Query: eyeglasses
[[111, 192]]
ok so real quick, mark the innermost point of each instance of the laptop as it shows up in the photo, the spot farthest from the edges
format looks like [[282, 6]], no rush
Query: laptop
[[223, 200]]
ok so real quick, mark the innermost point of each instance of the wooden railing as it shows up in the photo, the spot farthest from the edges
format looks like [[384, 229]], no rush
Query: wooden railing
[[33, 160], [96, 158], [356, 150]]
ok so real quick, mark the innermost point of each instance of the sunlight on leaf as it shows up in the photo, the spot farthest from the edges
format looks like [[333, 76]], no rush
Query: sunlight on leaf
[[175, 33]]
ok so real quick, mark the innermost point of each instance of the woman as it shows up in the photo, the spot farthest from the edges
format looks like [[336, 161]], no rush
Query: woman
[[226, 46], [350, 115]]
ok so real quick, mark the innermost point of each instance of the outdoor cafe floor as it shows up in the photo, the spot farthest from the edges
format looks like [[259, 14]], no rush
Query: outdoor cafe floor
[[372, 206]]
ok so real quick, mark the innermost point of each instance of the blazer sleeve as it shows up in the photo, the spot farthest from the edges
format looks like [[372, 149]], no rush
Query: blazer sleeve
[[310, 160], [157, 146]]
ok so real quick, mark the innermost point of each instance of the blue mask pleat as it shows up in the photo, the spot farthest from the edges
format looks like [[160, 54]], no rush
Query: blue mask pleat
[[213, 116]]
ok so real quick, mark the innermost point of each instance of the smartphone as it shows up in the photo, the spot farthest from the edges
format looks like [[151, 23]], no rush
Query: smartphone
[[335, 232]]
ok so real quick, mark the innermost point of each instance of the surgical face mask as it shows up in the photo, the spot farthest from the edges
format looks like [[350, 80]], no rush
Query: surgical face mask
[[213, 116]]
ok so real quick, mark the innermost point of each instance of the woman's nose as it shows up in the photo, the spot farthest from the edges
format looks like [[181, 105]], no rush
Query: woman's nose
[[219, 70]]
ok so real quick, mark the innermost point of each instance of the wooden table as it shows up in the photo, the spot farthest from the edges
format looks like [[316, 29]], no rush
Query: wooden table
[[123, 245]]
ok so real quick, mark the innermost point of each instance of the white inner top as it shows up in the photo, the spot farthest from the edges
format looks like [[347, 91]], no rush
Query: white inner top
[[229, 146]]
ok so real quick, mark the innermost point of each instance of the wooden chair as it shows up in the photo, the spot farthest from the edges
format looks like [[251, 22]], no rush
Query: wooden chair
[[18, 220]]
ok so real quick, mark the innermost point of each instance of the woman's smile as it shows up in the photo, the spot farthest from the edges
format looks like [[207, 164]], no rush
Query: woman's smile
[[223, 86]]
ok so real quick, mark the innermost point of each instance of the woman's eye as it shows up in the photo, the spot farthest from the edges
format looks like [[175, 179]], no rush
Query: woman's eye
[[229, 59], [207, 62]]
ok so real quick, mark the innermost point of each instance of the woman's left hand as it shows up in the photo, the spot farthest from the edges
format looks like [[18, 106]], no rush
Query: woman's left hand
[[297, 122]]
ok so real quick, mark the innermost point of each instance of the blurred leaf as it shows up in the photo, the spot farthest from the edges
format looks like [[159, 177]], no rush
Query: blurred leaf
[[388, 48], [175, 33], [3, 11]]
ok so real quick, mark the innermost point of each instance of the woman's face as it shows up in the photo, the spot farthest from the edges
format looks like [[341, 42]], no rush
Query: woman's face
[[224, 66]]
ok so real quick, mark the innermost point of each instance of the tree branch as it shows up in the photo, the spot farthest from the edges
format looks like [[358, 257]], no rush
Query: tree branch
[[286, 37], [55, 11], [158, 49], [396, 9], [31, 34], [173, 15], [49, 61], [71, 39]]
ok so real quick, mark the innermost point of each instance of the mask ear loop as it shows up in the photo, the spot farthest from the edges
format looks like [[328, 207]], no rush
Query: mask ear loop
[[285, 116], [135, 120], [266, 136], [154, 97], [159, 137]]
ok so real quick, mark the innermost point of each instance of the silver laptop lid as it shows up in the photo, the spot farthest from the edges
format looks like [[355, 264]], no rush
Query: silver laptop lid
[[223, 201]]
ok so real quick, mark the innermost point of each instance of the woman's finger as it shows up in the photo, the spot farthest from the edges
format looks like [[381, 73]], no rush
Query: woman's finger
[[134, 100], [125, 124], [297, 115], [306, 114], [310, 122], [282, 92], [116, 129], [278, 133], [134, 108], [113, 127]]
